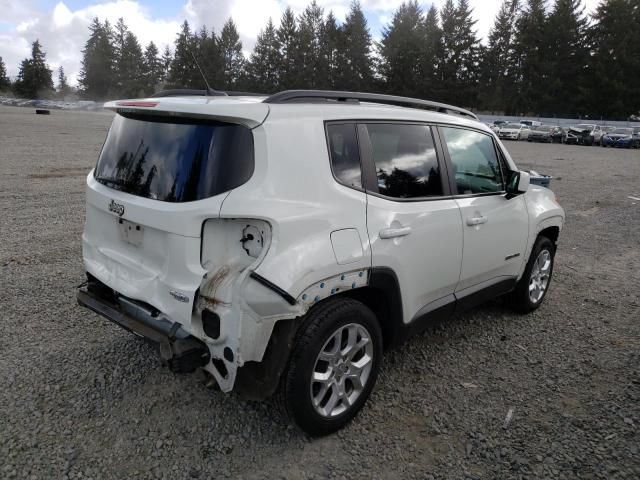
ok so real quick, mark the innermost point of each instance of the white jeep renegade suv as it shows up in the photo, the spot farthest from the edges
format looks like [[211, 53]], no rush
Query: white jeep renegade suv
[[281, 243]]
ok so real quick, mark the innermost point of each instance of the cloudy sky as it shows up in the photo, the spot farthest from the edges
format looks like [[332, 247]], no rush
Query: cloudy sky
[[61, 26]]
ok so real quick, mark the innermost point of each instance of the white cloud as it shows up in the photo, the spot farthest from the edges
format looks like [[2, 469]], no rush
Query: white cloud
[[63, 32], [249, 16]]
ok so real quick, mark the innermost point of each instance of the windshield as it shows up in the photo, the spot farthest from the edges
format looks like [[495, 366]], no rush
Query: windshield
[[584, 126], [623, 131], [517, 126], [174, 160], [544, 129]]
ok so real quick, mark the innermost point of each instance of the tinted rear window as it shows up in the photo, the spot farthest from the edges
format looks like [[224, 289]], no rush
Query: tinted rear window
[[175, 160]]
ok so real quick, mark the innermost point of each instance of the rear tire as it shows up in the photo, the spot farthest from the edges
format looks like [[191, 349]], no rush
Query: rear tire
[[333, 367], [536, 279]]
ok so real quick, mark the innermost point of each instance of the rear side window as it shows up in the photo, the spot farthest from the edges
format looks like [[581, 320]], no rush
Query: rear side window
[[474, 161], [175, 160], [345, 157], [405, 160]]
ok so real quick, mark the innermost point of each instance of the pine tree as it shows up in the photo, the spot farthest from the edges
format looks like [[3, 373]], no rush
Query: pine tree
[[167, 57], [566, 58], [530, 50], [401, 45], [262, 68], [498, 67], [313, 65], [468, 49], [230, 48], [153, 69], [183, 71], [131, 68], [287, 36], [460, 59], [5, 84], [330, 46], [34, 78], [432, 52], [614, 69], [210, 58], [98, 62], [354, 63], [118, 39], [63, 85]]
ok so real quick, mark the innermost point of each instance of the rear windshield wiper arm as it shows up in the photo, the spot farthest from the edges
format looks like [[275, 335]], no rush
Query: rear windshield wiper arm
[[112, 181]]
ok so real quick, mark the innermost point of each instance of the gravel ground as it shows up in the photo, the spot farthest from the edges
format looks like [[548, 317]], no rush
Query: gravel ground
[[81, 398]]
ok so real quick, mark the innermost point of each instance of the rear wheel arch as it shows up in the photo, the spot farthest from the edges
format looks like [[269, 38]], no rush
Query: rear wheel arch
[[383, 296]]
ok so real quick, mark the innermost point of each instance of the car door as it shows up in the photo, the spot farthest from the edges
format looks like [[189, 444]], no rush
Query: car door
[[495, 227], [413, 222]]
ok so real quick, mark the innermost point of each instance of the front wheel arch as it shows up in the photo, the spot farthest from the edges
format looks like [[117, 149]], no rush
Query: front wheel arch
[[552, 233]]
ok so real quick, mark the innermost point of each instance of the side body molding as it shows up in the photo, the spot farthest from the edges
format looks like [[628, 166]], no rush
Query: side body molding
[[385, 282]]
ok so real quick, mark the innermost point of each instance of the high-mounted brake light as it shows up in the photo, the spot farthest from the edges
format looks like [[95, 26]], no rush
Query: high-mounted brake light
[[136, 104]]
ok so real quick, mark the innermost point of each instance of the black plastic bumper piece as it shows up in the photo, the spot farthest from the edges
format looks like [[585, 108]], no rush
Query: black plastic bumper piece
[[183, 352]]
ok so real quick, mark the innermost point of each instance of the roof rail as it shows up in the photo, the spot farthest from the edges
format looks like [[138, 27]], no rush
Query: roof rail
[[315, 96], [187, 92]]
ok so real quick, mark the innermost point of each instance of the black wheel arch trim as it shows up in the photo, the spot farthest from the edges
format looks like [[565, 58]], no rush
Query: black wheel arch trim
[[273, 287], [397, 332]]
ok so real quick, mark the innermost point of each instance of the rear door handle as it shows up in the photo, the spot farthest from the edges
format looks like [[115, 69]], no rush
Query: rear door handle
[[472, 221], [395, 232]]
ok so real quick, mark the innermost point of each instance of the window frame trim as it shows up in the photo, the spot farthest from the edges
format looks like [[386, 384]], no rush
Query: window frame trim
[[452, 181], [329, 123]]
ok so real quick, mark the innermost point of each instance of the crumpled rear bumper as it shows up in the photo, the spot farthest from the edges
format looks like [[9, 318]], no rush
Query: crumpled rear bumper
[[183, 352]]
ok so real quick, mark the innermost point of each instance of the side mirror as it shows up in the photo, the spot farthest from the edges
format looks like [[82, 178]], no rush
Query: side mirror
[[518, 183]]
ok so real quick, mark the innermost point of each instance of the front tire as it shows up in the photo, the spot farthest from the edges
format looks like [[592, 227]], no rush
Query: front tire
[[534, 284], [333, 367]]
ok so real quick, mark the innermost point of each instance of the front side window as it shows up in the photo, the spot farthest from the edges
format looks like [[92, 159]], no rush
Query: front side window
[[405, 160], [345, 157], [175, 160], [474, 161]]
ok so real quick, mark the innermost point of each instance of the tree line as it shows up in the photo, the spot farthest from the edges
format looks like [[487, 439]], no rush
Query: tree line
[[538, 59]]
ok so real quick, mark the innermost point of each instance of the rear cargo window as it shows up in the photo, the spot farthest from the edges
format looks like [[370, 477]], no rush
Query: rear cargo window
[[175, 160]]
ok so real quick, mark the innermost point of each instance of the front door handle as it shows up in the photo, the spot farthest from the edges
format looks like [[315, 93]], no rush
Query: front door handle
[[395, 232], [472, 221]]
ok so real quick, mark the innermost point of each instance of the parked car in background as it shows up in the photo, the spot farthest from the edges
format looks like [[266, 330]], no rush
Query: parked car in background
[[621, 138], [584, 134], [547, 133], [636, 136], [607, 129], [531, 123], [559, 135], [514, 131]]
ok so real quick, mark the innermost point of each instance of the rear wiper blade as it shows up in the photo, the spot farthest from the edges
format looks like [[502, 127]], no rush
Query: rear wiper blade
[[112, 181]]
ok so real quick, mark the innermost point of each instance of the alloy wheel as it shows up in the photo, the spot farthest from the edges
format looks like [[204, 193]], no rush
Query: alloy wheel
[[540, 274], [341, 370]]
